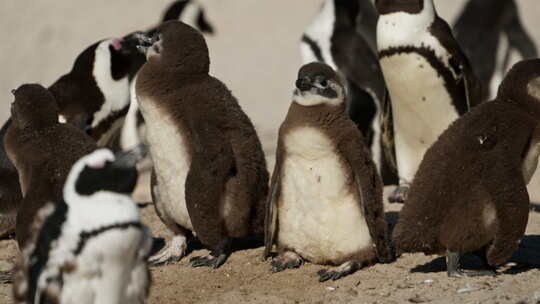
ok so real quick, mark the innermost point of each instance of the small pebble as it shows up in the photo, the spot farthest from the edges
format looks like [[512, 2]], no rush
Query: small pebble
[[468, 288], [429, 281], [330, 288]]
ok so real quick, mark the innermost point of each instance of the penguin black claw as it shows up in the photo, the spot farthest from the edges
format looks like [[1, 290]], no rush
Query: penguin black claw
[[208, 261], [345, 269], [287, 260]]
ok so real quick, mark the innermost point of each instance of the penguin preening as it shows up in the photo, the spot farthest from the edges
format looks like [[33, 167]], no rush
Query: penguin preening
[[94, 95], [209, 173], [90, 246], [42, 150], [470, 194], [498, 26], [429, 80], [325, 204], [343, 35], [190, 12]]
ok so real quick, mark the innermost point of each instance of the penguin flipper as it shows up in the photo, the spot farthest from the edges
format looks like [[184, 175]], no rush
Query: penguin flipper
[[211, 165], [387, 134], [370, 189], [270, 222], [505, 183], [462, 67]]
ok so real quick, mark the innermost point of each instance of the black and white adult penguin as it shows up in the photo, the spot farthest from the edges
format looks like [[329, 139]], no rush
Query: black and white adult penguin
[[190, 12], [43, 151], [343, 36], [429, 80], [210, 173], [470, 193], [94, 95], [90, 246], [325, 203], [504, 40]]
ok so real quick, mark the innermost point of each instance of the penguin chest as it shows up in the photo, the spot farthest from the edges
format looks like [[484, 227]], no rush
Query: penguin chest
[[169, 150], [319, 214], [421, 103], [530, 162]]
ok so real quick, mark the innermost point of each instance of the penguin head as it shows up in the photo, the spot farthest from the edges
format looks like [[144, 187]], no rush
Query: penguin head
[[522, 82], [176, 46], [98, 73], [102, 171], [414, 7], [190, 12], [318, 84], [34, 106]]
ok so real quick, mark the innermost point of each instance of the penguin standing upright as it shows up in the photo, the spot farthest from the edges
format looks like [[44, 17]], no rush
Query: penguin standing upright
[[470, 193], [43, 151], [429, 80], [325, 202], [497, 25], [343, 35], [93, 96], [210, 173], [90, 246], [190, 12]]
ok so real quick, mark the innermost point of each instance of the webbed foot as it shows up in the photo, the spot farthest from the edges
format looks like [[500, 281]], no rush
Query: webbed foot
[[175, 250], [343, 270], [286, 260], [453, 267]]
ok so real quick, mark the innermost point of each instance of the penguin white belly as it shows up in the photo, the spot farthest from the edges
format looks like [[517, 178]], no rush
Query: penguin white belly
[[421, 105], [170, 155], [103, 268], [319, 216]]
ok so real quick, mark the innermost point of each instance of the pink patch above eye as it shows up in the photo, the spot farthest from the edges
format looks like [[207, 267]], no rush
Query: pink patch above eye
[[117, 43], [97, 165]]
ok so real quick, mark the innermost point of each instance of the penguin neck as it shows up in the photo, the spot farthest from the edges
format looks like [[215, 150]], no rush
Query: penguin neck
[[327, 116]]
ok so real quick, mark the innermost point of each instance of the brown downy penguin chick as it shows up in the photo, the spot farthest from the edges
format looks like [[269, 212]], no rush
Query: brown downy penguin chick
[[210, 174], [470, 191], [43, 151], [326, 203], [10, 190]]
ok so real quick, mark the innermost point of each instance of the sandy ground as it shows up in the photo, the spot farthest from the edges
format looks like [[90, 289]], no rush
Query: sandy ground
[[255, 52]]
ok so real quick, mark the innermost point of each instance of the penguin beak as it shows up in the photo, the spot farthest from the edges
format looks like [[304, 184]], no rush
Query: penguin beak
[[130, 158], [143, 41], [304, 84]]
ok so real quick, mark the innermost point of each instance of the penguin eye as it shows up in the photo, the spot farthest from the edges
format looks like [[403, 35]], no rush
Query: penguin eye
[[324, 83]]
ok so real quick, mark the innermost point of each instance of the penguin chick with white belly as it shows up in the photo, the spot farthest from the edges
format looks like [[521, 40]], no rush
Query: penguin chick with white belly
[[429, 80], [325, 203], [210, 173], [470, 194], [89, 247]]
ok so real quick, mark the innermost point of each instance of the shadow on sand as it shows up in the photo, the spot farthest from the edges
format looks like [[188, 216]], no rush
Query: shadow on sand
[[526, 258]]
